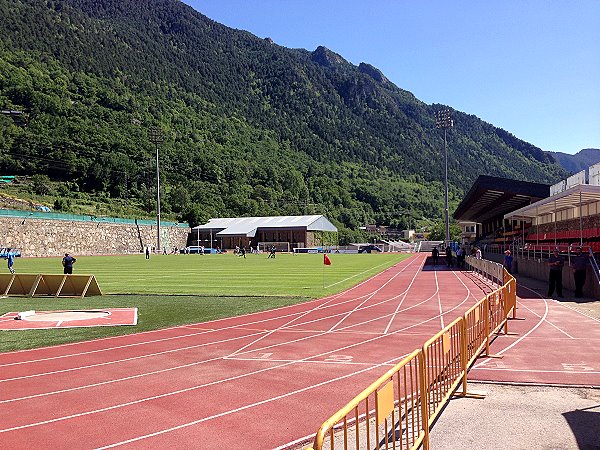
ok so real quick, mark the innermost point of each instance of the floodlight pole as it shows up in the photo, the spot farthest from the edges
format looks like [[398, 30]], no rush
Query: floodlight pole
[[443, 120], [156, 137]]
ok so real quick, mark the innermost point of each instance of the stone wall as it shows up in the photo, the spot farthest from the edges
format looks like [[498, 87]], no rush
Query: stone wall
[[39, 237]]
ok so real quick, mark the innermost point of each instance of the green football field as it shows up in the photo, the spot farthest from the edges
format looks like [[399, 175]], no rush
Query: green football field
[[172, 290]]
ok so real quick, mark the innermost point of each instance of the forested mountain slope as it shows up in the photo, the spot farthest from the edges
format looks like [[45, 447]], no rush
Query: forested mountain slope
[[250, 127], [579, 161]]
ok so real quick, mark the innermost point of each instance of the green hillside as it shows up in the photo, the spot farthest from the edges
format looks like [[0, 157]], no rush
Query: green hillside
[[250, 127]]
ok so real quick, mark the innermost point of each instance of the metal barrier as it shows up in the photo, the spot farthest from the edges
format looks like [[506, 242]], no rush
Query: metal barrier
[[391, 403], [398, 409]]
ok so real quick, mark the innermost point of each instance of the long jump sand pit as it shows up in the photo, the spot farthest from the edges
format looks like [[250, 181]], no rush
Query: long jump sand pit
[[36, 320]]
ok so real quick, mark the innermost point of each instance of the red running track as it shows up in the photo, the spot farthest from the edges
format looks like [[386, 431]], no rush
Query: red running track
[[263, 380], [554, 344]]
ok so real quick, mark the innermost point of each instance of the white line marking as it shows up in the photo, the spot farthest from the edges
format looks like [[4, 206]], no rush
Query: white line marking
[[133, 358], [525, 335], [569, 372], [387, 328], [370, 296], [437, 288], [547, 321]]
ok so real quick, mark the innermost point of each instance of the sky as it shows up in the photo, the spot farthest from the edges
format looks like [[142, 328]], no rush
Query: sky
[[530, 67]]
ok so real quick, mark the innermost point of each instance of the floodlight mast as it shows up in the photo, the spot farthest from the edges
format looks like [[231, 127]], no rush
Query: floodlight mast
[[156, 137], [443, 121]]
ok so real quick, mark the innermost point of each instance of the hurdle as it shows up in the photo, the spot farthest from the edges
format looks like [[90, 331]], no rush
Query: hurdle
[[49, 285]]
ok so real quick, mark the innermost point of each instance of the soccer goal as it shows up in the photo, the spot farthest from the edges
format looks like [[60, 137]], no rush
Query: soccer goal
[[279, 246]]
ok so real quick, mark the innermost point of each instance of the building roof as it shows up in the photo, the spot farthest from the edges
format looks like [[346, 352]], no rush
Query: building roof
[[572, 198], [247, 226], [491, 197]]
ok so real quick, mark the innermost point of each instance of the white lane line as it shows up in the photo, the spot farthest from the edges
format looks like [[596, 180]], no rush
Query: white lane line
[[547, 321], [579, 312], [133, 358], [190, 389], [369, 297], [395, 313], [568, 372], [437, 288], [542, 320], [356, 275], [252, 405], [270, 333], [344, 312]]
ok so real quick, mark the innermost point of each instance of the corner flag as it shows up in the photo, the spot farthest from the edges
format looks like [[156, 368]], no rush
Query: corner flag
[[326, 260]]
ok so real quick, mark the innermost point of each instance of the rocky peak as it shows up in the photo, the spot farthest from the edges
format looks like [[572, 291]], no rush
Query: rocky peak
[[373, 72], [325, 57]]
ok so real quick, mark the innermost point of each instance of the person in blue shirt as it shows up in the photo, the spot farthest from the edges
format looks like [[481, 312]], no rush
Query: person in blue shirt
[[508, 261], [11, 262], [67, 263]]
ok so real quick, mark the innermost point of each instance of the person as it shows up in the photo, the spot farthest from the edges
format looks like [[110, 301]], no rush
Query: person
[[11, 261], [272, 253], [460, 257], [579, 264], [449, 256], [67, 263], [508, 261], [147, 252], [478, 254], [556, 263], [243, 252], [435, 253]]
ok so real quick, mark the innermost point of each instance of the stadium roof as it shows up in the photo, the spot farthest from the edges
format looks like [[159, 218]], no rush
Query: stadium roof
[[581, 194], [247, 226], [491, 197]]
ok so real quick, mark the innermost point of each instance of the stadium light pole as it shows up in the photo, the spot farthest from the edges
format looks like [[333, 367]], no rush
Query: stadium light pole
[[156, 137], [443, 121]]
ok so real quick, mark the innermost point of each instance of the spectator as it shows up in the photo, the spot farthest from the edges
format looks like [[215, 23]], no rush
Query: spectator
[[556, 263], [449, 256], [579, 264], [435, 253], [508, 261]]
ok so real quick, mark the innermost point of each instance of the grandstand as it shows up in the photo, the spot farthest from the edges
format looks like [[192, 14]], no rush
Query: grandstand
[[533, 224]]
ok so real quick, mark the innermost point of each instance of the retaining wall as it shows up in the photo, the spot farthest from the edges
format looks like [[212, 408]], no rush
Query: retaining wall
[[44, 237]]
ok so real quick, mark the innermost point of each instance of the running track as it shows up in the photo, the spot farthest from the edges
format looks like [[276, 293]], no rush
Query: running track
[[263, 380]]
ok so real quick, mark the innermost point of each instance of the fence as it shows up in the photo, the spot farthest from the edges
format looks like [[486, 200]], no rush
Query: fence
[[83, 218], [37, 285], [398, 409]]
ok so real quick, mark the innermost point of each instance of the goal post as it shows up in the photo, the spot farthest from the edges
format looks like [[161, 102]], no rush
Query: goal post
[[279, 246]]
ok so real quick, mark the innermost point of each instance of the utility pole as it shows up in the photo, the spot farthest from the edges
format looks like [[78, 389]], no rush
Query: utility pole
[[156, 137], [443, 121]]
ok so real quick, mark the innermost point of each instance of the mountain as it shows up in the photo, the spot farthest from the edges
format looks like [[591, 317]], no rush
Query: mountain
[[579, 161], [249, 127]]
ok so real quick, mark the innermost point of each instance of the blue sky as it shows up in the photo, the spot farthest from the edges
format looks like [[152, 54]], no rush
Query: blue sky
[[531, 67]]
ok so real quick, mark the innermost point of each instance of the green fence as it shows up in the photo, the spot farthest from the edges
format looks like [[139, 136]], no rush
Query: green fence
[[79, 218]]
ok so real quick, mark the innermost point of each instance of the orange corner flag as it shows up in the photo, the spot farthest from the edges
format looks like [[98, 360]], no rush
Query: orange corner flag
[[326, 260]]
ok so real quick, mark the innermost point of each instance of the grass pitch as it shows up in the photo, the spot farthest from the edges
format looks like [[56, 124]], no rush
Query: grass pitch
[[171, 290]]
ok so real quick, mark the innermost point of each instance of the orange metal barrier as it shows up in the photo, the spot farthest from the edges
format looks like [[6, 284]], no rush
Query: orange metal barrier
[[398, 409], [387, 414]]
